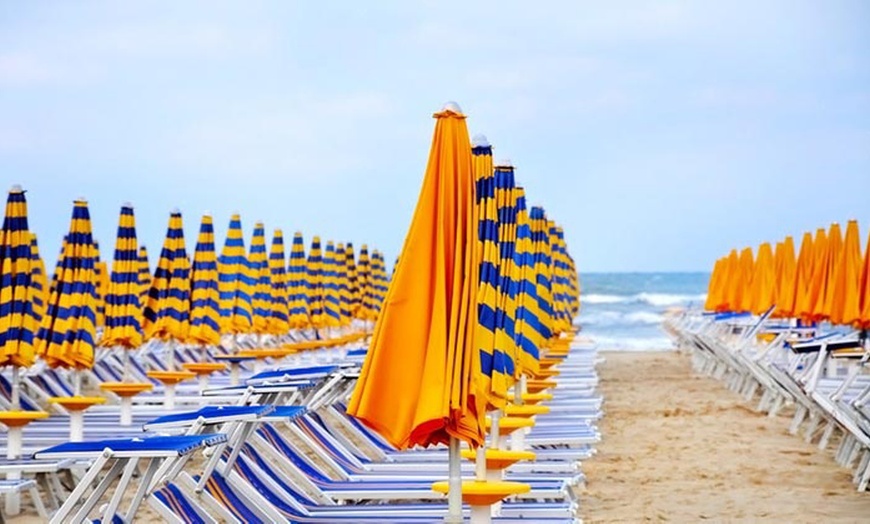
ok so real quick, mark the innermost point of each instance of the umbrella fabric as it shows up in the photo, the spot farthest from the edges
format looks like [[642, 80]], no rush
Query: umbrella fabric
[[364, 277], [828, 266], [714, 287], [67, 332], [167, 309], [864, 290], [144, 275], [123, 309], [380, 284], [803, 276], [331, 293], [343, 283], [526, 335], [562, 291], [101, 273], [352, 283], [39, 280], [296, 284], [279, 319], [204, 294], [18, 320], [543, 285], [786, 276], [486, 216], [258, 264], [761, 287], [314, 284], [844, 303], [815, 285], [234, 282], [746, 265], [420, 380]]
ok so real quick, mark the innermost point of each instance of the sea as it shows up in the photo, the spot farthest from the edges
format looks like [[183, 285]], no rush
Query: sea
[[624, 311]]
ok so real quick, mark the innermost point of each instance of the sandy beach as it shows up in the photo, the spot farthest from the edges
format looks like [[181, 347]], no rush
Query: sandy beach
[[682, 448]]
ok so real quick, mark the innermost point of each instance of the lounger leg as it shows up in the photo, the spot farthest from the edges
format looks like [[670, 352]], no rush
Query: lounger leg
[[79, 491], [91, 502], [777, 405], [811, 430], [143, 489], [115, 501], [37, 501], [800, 414], [865, 477], [826, 436]]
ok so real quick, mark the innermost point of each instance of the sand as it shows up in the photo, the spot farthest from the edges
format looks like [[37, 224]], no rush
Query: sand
[[681, 448]]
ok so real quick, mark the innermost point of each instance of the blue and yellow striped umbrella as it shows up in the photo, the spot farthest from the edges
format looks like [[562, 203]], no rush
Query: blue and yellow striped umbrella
[[205, 329], [279, 319], [123, 309], [296, 285], [18, 320], [101, 273], [167, 309], [235, 285], [525, 329], [331, 292], [39, 281], [380, 283], [314, 284], [364, 278], [343, 283], [258, 265], [144, 275], [543, 289], [561, 301], [67, 333], [352, 282]]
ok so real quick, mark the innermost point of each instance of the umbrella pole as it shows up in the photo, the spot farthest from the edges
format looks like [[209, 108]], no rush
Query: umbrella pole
[[454, 479], [126, 353], [16, 392], [518, 438]]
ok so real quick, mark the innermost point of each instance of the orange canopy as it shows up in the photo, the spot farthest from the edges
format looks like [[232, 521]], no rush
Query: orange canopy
[[419, 382], [804, 272], [864, 293], [843, 303], [826, 267], [786, 276], [740, 297], [762, 287]]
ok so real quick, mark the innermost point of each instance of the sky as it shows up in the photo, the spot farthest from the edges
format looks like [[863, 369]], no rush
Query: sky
[[659, 134]]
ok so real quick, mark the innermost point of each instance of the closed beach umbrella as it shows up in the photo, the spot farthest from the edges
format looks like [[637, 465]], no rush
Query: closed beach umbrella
[[844, 306], [123, 309], [343, 283], [714, 285], [505, 352], [204, 294], [167, 308], [543, 287], [742, 297], [258, 264], [331, 294], [352, 283], [279, 319], [144, 275], [419, 383], [18, 320], [234, 284], [297, 278], [67, 333], [786, 279], [364, 277], [380, 284], [804, 277], [864, 290], [762, 286], [39, 280], [830, 258], [314, 283], [526, 336], [101, 273]]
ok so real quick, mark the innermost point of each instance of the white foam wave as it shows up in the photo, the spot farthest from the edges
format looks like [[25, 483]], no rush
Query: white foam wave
[[633, 344], [653, 299], [616, 318]]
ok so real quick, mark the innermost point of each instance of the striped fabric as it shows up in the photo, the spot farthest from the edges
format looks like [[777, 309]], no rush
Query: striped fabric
[[380, 283], [297, 294], [258, 264], [167, 308], [236, 288], [366, 310], [123, 309], [279, 319], [314, 284], [331, 292], [39, 282], [352, 283], [543, 289], [344, 293], [67, 333], [18, 320], [526, 334], [101, 273], [205, 329], [144, 275], [561, 307]]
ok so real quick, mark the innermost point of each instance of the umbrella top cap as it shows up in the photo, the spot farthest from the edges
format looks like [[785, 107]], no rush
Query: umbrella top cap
[[16, 188], [480, 140], [452, 106], [505, 162]]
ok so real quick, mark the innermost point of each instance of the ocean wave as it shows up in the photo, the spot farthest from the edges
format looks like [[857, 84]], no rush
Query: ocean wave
[[633, 344], [653, 299], [616, 318]]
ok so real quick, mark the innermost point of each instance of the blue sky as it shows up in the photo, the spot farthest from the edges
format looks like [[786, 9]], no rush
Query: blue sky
[[660, 134]]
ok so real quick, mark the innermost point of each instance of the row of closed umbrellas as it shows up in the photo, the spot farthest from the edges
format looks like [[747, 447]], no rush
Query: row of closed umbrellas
[[828, 279], [187, 301]]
